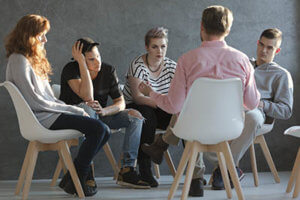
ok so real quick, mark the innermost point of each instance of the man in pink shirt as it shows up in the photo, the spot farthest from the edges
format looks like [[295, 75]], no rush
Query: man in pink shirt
[[212, 59]]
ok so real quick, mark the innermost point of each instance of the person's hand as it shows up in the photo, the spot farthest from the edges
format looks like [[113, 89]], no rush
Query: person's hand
[[145, 89], [85, 114], [77, 52], [261, 105], [95, 105], [103, 112]]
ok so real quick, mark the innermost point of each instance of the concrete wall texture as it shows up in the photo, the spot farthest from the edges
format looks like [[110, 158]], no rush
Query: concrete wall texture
[[120, 26]]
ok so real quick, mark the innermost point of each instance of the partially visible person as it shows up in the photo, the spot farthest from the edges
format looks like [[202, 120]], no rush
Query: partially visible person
[[213, 59], [88, 82], [158, 70], [275, 85], [29, 69]]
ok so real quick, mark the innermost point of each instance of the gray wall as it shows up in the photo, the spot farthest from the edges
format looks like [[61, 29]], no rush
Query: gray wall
[[120, 25]]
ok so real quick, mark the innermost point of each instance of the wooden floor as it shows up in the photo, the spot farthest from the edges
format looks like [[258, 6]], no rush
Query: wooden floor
[[108, 190]]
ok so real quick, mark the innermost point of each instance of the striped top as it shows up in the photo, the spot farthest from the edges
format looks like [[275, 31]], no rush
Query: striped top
[[160, 84]]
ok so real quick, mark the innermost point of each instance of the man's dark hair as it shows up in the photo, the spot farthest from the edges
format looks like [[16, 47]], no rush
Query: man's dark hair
[[88, 44]]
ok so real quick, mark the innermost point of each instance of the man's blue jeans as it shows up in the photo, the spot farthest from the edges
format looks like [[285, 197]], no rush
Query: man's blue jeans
[[133, 128]]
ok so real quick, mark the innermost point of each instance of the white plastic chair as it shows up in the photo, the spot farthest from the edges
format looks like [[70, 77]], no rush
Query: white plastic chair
[[295, 175], [260, 139], [211, 116], [40, 139], [106, 148]]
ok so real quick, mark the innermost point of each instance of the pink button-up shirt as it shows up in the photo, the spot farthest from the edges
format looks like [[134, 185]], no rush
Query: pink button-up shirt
[[213, 59]]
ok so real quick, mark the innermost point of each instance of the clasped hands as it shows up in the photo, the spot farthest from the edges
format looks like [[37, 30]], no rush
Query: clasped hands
[[95, 105]]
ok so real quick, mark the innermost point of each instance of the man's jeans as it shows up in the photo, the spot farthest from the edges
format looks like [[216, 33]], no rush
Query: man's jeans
[[133, 128]]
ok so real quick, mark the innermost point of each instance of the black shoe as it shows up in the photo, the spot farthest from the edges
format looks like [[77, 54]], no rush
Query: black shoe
[[68, 186], [218, 184], [128, 177], [204, 181], [64, 180], [90, 179], [196, 188], [146, 172], [156, 149]]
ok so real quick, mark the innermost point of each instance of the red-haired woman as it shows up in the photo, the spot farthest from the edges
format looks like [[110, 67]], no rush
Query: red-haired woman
[[29, 69]]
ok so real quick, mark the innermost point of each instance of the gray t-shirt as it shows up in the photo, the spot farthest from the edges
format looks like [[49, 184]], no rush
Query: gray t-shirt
[[36, 91]]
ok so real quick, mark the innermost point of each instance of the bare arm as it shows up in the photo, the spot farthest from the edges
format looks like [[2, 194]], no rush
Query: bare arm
[[83, 87], [138, 97], [117, 106]]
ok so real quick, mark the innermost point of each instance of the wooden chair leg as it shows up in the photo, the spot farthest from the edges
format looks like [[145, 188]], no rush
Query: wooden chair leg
[[267, 154], [182, 164], [156, 170], [230, 165], [224, 173], [189, 171], [294, 174], [297, 185], [65, 152], [60, 164], [22, 175], [210, 180], [58, 169], [111, 159], [30, 169], [170, 163], [253, 164]]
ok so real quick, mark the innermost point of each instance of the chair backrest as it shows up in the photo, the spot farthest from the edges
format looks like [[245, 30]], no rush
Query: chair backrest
[[30, 127], [293, 131], [212, 112], [26, 118]]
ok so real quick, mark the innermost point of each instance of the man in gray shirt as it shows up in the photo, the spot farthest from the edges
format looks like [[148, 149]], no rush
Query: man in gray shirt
[[276, 88]]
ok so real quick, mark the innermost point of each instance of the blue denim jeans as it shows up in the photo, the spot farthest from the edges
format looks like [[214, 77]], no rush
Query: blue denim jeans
[[133, 129]]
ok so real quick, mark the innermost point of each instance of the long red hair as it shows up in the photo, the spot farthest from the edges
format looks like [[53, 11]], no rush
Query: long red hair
[[23, 40]]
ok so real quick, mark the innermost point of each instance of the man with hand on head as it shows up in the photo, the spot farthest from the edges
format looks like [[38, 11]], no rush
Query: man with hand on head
[[88, 82]]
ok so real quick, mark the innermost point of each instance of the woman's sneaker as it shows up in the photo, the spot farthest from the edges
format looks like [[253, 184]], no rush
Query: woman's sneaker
[[128, 177]]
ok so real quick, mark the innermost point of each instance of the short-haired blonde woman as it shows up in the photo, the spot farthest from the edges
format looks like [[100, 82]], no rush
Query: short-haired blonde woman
[[28, 68], [157, 70]]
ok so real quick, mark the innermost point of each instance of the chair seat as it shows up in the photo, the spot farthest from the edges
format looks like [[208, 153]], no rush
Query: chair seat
[[293, 131], [50, 136]]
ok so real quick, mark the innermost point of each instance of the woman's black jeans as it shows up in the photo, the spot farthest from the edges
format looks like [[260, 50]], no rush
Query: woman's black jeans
[[96, 134], [154, 118]]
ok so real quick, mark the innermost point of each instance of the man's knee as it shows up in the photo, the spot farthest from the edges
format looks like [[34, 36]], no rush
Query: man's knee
[[135, 113], [254, 118]]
